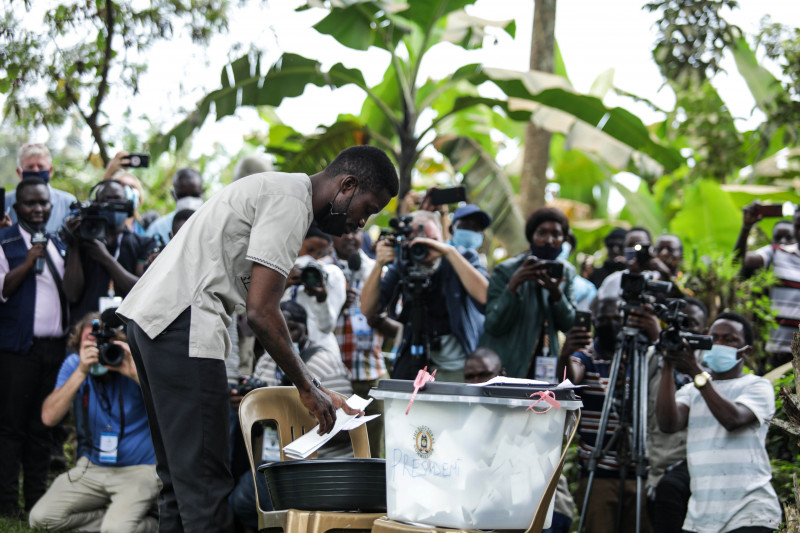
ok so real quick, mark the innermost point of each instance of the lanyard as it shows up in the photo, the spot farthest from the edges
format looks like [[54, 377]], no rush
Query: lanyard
[[85, 409]]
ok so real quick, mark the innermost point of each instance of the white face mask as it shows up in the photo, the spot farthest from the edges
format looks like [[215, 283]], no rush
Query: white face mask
[[188, 202]]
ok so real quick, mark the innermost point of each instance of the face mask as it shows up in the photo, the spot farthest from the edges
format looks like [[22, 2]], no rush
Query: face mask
[[721, 358], [333, 223], [97, 370], [606, 336], [192, 203], [467, 239], [132, 195], [44, 175], [545, 252]]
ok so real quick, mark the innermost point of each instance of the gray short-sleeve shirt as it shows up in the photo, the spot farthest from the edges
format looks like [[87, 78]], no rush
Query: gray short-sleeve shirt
[[262, 218]]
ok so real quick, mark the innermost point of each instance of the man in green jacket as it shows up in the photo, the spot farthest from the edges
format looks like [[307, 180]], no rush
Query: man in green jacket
[[526, 300]]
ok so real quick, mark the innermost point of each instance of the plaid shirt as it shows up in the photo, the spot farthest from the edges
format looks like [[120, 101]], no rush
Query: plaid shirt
[[365, 364]]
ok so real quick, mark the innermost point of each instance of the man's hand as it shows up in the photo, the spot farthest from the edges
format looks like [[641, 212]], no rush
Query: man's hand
[[534, 269], [644, 319], [5, 221], [683, 360], [96, 249], [577, 339], [127, 368], [35, 252], [120, 161], [89, 355], [750, 215], [384, 252], [294, 277], [322, 405], [318, 291]]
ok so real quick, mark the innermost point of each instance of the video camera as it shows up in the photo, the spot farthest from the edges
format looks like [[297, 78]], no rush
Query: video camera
[[671, 339], [400, 235], [95, 217], [312, 275], [638, 290], [640, 252], [104, 331]]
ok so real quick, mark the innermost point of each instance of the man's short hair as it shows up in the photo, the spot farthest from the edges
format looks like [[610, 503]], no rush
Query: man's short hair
[[642, 229], [252, 164], [32, 149], [182, 216], [542, 215], [29, 182], [749, 335], [372, 167], [422, 216], [616, 233], [698, 304], [295, 311], [186, 174]]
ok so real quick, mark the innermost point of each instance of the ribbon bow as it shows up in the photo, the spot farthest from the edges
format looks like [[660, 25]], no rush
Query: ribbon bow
[[544, 396], [422, 378]]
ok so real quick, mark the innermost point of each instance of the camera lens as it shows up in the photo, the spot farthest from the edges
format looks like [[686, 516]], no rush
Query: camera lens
[[418, 252], [110, 355], [311, 276]]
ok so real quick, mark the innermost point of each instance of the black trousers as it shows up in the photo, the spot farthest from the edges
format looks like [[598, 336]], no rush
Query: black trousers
[[672, 500], [26, 379], [188, 409]]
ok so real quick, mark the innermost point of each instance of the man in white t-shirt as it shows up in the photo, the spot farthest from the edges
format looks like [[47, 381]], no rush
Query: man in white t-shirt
[[233, 255], [726, 413]]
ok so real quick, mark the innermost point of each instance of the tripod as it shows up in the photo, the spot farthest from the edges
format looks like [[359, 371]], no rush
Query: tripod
[[629, 437]]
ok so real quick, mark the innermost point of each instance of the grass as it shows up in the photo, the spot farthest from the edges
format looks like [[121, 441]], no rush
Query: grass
[[8, 525]]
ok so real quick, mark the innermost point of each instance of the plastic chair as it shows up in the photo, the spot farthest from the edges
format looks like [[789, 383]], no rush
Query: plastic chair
[[282, 404], [386, 525]]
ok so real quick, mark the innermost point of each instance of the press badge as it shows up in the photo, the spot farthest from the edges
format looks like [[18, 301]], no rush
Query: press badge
[[108, 302], [108, 448], [546, 369]]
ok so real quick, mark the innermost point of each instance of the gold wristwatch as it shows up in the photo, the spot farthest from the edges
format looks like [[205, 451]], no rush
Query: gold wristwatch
[[701, 379]]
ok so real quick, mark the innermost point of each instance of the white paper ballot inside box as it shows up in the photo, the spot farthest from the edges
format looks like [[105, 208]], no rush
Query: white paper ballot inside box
[[312, 441]]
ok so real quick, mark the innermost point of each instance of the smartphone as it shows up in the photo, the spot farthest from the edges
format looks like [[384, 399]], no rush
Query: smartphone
[[452, 195], [554, 269], [138, 160], [583, 319], [770, 210]]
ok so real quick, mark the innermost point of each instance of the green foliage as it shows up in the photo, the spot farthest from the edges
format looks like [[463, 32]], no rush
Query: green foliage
[[781, 448], [708, 219], [715, 279], [76, 74]]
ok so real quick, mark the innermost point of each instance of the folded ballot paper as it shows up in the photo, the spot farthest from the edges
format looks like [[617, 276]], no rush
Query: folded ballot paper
[[312, 441]]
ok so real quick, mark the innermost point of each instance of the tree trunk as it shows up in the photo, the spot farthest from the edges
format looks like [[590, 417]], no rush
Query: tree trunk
[[536, 153]]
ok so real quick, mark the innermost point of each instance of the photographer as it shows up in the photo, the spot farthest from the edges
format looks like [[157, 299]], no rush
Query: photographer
[[34, 161], [33, 321], [318, 286], [451, 289], [615, 260], [109, 264], [187, 190], [726, 413], [784, 259], [531, 298], [118, 169], [113, 485]]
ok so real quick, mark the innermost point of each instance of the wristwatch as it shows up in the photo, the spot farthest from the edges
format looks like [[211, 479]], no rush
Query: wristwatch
[[315, 382], [701, 379]]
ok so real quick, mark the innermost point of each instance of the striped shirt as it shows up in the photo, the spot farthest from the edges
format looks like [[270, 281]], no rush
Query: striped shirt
[[595, 382], [359, 344], [785, 296], [730, 471], [323, 365]]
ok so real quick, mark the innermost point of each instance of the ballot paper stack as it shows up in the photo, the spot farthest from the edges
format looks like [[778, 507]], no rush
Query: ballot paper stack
[[470, 458], [312, 441]]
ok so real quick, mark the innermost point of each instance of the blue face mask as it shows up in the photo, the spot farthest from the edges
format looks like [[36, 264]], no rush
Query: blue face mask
[[97, 370], [467, 239], [721, 358], [44, 175], [115, 218]]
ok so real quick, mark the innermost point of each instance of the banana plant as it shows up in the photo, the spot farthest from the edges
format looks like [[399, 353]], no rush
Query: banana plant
[[392, 112]]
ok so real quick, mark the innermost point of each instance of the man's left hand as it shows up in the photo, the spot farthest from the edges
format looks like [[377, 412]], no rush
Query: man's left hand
[[645, 320], [683, 360]]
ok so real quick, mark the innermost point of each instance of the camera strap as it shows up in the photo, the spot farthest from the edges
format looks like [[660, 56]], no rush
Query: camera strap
[[87, 430]]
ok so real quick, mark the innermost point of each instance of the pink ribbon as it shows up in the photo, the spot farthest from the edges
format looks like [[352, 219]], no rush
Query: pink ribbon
[[544, 396], [422, 378]]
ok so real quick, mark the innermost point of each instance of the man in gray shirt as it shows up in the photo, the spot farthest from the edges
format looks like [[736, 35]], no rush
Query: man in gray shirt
[[233, 255]]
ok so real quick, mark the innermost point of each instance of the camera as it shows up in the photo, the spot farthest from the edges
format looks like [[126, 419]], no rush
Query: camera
[[671, 339], [640, 252], [554, 269], [247, 384], [637, 289], [104, 331], [400, 235], [95, 217], [312, 275]]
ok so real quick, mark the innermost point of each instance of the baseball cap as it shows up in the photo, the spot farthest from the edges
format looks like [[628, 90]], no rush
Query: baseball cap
[[472, 209]]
